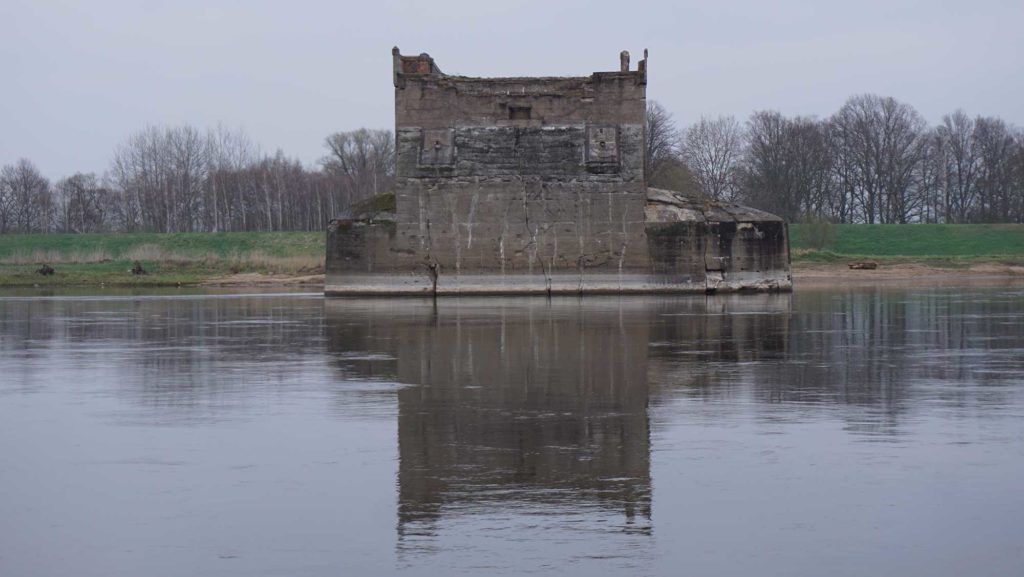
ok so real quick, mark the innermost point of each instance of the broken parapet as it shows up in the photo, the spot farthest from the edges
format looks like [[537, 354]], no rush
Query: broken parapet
[[537, 185]]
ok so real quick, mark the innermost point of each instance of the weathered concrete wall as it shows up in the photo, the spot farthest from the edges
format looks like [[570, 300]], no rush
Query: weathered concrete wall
[[497, 154], [681, 244], [723, 246], [426, 100], [510, 185]]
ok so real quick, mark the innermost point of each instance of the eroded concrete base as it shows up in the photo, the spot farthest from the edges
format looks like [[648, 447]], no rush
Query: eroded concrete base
[[686, 244], [556, 284]]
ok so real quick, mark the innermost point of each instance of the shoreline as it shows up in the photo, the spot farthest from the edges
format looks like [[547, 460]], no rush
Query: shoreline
[[907, 273], [910, 274], [904, 272]]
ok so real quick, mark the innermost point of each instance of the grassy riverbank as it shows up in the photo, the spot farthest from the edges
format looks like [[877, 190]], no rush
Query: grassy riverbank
[[169, 259], [251, 257], [952, 245]]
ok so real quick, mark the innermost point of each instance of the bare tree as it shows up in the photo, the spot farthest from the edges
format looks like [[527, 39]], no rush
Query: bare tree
[[810, 169], [711, 149], [164, 177], [6, 198], [765, 175], [83, 204], [225, 201], [932, 178], [661, 144], [140, 171], [1017, 176], [26, 200], [362, 162], [879, 144], [787, 167], [995, 146], [189, 163], [180, 179], [960, 166]]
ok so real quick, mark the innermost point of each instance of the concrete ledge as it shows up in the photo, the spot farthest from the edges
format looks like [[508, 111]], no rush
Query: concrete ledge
[[556, 284]]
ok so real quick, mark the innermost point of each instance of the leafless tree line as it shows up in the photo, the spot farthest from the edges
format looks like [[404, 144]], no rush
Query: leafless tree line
[[876, 160], [181, 179]]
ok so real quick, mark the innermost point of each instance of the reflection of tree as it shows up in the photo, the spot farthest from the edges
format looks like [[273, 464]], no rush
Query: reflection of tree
[[698, 341], [875, 353], [182, 357]]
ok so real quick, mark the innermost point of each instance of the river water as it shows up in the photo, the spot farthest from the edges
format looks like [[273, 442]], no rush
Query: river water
[[829, 432]]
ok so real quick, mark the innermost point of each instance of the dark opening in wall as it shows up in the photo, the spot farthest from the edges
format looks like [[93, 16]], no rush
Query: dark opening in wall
[[518, 112]]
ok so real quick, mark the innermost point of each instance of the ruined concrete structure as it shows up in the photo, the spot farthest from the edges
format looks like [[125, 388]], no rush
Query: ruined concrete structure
[[537, 185]]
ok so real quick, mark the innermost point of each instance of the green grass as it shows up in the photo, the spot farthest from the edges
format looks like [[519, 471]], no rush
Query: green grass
[[170, 259], [937, 241], [191, 258], [115, 273], [224, 244]]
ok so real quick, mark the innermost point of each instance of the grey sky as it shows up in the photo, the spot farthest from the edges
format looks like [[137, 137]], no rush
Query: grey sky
[[79, 77]]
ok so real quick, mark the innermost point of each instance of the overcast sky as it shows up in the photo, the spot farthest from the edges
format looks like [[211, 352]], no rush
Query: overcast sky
[[78, 77]]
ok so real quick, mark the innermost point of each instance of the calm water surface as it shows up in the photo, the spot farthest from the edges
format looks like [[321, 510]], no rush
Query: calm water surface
[[829, 432]]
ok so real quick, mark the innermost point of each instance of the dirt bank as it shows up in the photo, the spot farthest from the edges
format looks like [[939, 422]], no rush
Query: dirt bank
[[907, 274], [260, 279]]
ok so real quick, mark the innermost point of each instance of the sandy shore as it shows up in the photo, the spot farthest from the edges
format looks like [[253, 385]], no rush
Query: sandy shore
[[255, 279], [906, 274]]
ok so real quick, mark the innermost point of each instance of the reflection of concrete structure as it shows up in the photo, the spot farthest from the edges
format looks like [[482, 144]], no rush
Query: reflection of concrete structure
[[538, 185], [521, 402], [535, 411]]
